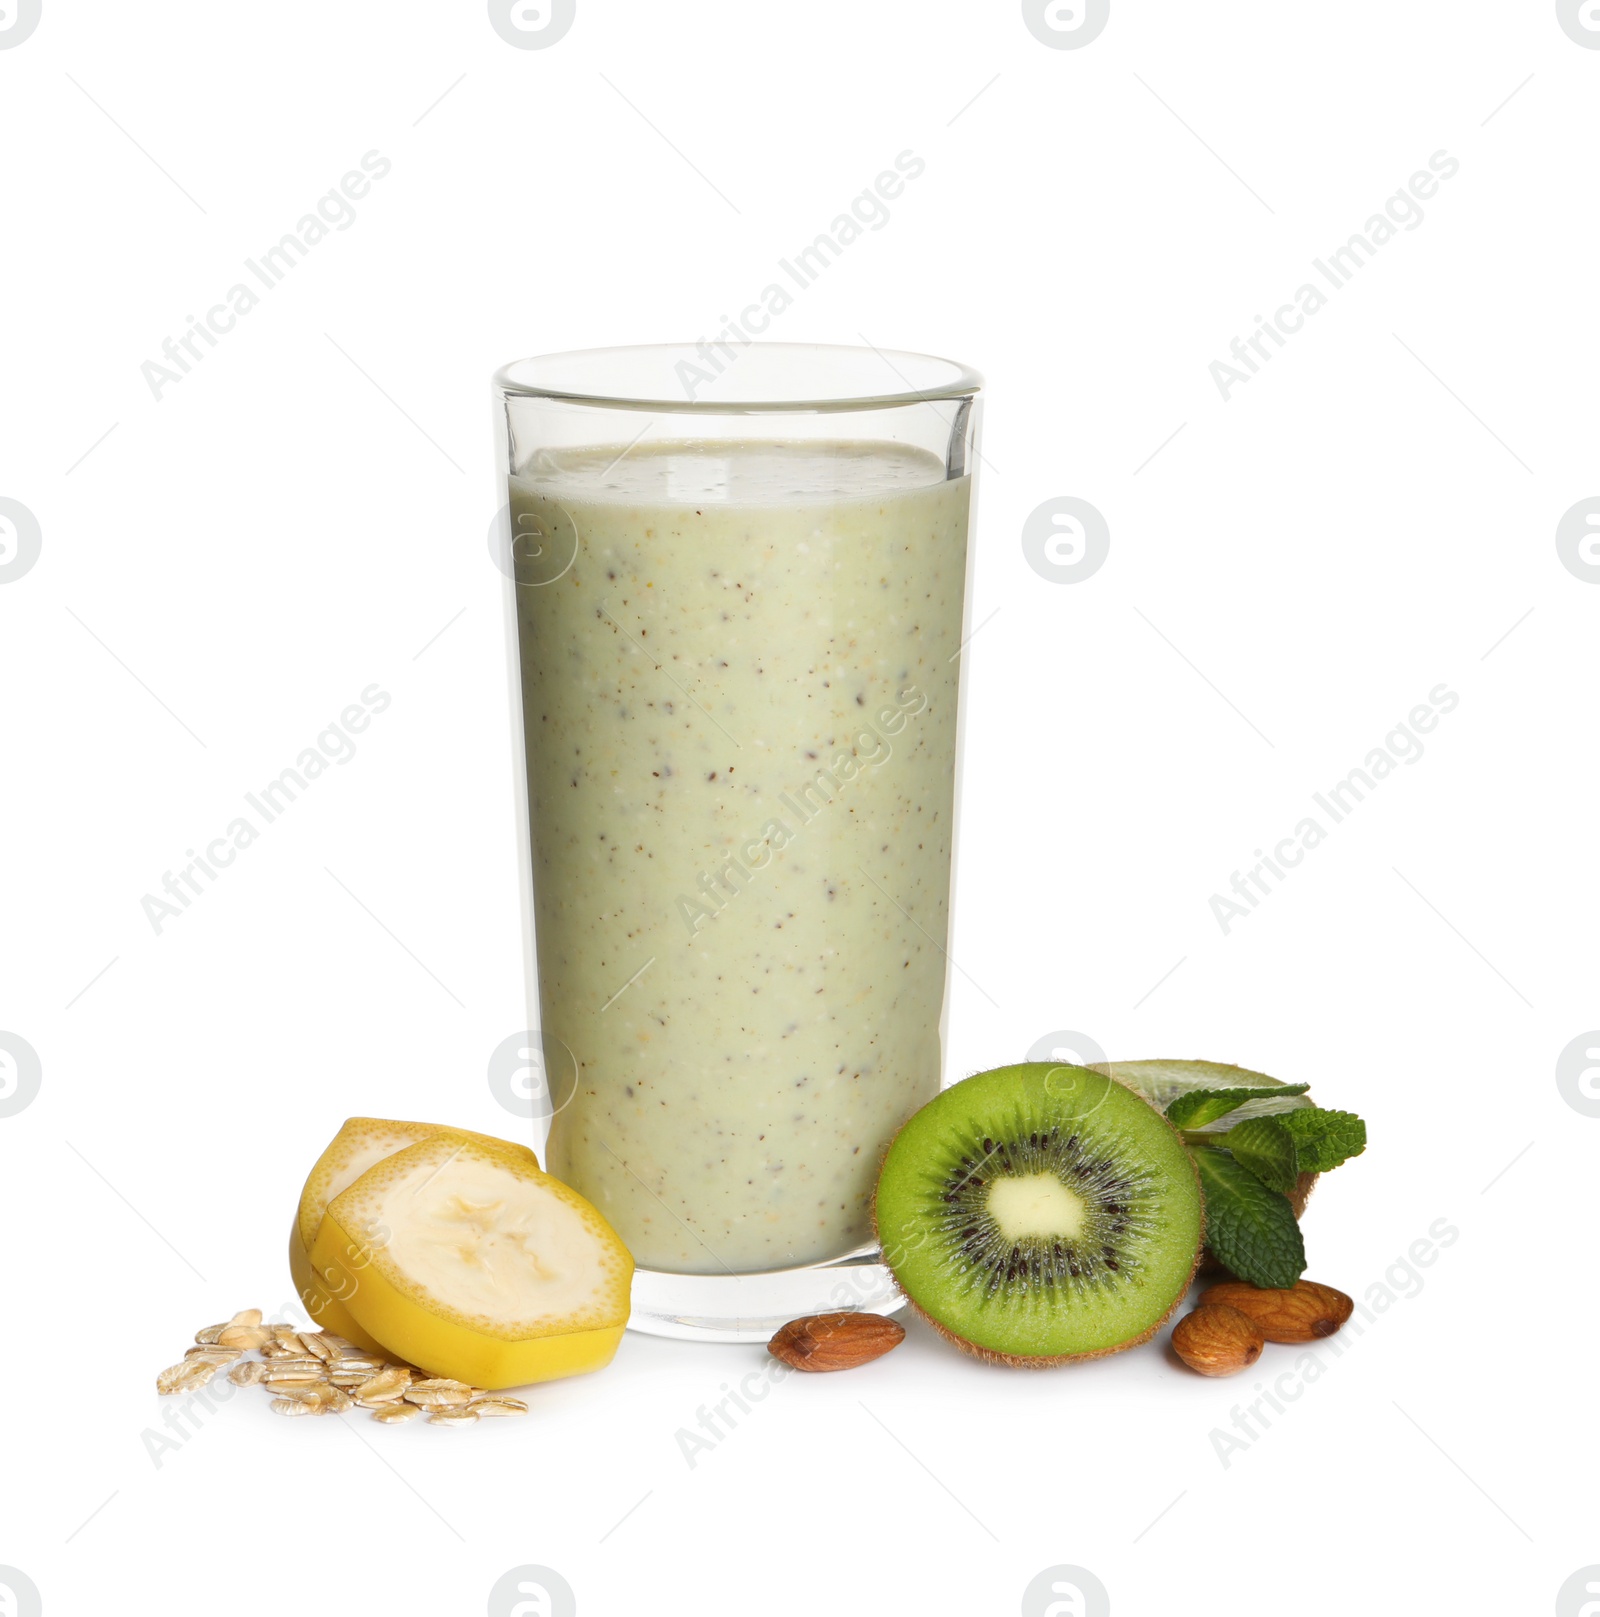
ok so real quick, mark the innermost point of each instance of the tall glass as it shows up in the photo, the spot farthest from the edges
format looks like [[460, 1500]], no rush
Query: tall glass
[[737, 590]]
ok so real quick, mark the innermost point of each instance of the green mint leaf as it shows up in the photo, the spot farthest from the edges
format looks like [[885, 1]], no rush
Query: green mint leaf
[[1322, 1139], [1202, 1106], [1267, 1149], [1251, 1229]]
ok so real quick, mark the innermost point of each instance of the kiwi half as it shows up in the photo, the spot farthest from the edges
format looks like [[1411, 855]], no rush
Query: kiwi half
[[1039, 1214]]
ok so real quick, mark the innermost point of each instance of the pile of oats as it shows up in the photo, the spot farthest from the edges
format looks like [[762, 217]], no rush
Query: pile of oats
[[318, 1373]]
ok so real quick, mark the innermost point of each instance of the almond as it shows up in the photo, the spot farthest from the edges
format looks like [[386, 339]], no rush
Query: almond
[[1302, 1313], [835, 1341], [1218, 1340]]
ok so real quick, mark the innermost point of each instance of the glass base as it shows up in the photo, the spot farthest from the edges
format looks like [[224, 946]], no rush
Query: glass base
[[749, 1308]]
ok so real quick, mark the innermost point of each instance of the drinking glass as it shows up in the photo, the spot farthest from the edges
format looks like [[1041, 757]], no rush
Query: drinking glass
[[737, 584]]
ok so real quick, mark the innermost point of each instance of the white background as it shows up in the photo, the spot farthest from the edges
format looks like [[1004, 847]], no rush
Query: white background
[[305, 514]]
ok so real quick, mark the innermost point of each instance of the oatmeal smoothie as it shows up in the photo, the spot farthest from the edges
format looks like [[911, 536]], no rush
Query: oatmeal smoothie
[[739, 703]]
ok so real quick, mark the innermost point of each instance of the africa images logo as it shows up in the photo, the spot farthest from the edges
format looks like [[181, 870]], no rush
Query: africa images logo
[[1580, 22], [1066, 25], [19, 1594], [1578, 539], [20, 1076], [18, 19], [1065, 540], [1066, 1591], [532, 1591], [20, 540], [532, 25]]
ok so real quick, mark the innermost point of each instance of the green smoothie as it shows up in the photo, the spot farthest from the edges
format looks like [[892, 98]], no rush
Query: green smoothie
[[739, 683]]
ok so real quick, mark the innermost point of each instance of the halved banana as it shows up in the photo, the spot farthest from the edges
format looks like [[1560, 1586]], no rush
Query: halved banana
[[361, 1143], [460, 1255]]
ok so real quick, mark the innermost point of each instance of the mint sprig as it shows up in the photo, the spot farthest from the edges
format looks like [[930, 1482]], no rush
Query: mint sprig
[[1322, 1138], [1201, 1106], [1249, 1165], [1251, 1229], [1278, 1149], [1267, 1149]]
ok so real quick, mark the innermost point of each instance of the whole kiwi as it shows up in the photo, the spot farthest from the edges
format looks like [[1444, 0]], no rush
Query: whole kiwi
[[1161, 1082]]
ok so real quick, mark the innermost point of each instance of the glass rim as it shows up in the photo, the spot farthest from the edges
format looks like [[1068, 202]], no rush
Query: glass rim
[[588, 376]]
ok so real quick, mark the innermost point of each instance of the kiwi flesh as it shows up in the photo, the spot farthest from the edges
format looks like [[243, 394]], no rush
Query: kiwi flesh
[[1161, 1082], [1039, 1214]]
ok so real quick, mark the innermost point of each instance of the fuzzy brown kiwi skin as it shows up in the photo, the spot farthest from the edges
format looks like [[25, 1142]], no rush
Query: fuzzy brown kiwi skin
[[1026, 1361]]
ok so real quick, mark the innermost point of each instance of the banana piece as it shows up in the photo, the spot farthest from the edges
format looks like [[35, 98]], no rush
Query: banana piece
[[461, 1256], [360, 1144]]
